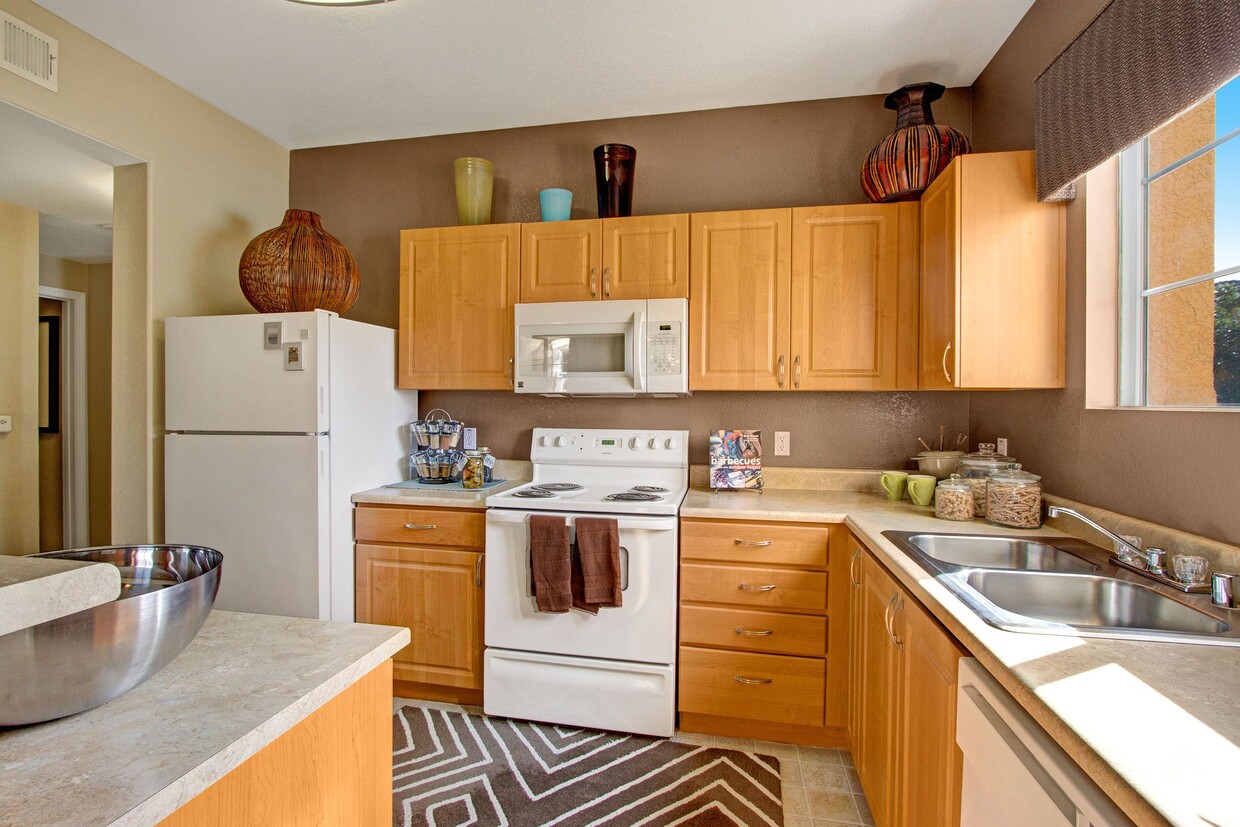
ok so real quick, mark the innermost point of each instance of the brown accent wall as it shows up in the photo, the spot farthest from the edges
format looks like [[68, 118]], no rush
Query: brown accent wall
[[1174, 468], [760, 156]]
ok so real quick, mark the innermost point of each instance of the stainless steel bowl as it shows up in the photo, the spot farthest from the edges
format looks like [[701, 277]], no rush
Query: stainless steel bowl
[[82, 660]]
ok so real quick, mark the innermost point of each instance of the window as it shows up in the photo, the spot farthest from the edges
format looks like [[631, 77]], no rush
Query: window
[[1180, 259]]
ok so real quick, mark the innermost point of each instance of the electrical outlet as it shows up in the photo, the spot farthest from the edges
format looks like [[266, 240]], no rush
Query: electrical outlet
[[783, 443], [470, 438], [6, 424], [1001, 445]]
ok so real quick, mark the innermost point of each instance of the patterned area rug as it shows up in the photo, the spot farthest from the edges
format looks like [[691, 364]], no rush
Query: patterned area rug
[[453, 769]]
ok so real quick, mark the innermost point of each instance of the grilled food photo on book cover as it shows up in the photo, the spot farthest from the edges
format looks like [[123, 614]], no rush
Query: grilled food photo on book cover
[[736, 459]]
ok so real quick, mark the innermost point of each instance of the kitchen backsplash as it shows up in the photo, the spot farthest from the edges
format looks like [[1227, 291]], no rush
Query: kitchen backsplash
[[834, 430]]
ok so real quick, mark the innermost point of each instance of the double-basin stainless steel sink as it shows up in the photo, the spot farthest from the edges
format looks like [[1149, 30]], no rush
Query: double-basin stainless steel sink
[[1062, 586]]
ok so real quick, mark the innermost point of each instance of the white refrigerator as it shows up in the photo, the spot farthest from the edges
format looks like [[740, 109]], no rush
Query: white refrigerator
[[273, 422]]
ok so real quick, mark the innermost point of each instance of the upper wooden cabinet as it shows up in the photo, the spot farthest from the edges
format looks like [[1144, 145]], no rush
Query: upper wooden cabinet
[[854, 297], [457, 289], [815, 298], [642, 257], [740, 275], [992, 277]]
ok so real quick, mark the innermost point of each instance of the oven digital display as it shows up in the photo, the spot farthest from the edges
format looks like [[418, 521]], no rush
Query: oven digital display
[[610, 442]]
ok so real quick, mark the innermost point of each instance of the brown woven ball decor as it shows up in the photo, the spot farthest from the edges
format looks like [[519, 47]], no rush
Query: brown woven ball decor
[[906, 161], [298, 266]]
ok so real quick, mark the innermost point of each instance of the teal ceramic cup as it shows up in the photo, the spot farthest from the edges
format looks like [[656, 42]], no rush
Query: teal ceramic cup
[[556, 204]]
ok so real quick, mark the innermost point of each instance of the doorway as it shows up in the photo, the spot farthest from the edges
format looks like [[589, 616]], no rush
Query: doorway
[[64, 486]]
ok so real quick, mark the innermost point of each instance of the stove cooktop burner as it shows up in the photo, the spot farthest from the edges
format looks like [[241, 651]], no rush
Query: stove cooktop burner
[[534, 494], [559, 486], [633, 496], [649, 489]]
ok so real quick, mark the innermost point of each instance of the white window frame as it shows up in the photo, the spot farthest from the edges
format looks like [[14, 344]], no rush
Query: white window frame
[[1133, 202]]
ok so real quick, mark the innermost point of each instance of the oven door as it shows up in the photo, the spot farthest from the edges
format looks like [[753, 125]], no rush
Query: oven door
[[581, 348], [643, 629]]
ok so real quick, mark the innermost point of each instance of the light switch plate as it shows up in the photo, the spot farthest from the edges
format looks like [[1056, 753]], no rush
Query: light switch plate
[[470, 439], [273, 335], [6, 424], [294, 356], [783, 443]]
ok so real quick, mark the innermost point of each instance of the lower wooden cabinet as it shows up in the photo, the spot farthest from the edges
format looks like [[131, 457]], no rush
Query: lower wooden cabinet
[[433, 590], [902, 702]]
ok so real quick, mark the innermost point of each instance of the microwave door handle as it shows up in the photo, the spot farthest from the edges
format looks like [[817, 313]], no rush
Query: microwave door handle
[[639, 352]]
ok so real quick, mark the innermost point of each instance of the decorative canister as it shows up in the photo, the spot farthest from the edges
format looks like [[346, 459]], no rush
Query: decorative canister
[[614, 168], [475, 178], [474, 475], [906, 161], [978, 466], [953, 499], [1014, 499], [298, 266]]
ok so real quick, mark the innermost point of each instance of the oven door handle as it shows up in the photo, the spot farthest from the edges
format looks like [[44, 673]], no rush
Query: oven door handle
[[504, 517], [639, 351]]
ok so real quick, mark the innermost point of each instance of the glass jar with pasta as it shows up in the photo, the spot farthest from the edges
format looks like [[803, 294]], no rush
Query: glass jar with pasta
[[1014, 499]]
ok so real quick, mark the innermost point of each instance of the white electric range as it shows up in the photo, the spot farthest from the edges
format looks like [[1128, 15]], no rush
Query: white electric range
[[615, 670]]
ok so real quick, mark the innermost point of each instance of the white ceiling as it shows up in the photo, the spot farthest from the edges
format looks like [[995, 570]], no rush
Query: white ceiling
[[64, 175], [314, 76]]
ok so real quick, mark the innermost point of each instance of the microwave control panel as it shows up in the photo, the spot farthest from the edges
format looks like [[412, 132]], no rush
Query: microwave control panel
[[663, 349]]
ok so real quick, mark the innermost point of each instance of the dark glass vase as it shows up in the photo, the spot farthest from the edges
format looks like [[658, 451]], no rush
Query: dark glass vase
[[906, 161], [613, 173]]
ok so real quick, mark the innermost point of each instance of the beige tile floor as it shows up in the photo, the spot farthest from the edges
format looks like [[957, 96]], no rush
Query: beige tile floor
[[820, 786]]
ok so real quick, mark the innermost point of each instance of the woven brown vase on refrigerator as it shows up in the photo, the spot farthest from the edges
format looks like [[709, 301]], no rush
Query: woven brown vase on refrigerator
[[298, 266], [906, 161]]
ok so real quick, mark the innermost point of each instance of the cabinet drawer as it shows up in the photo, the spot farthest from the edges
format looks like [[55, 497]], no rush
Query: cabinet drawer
[[781, 634], [771, 687], [420, 526], [802, 546], [804, 591]]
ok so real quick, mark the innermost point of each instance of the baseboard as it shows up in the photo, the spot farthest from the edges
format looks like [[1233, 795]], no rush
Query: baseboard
[[443, 694], [809, 736]]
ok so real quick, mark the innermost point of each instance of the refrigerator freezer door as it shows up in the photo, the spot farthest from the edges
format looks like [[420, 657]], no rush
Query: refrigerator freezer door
[[261, 500], [220, 377]]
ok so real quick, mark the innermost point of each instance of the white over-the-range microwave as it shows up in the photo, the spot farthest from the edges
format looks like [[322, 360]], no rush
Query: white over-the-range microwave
[[602, 348]]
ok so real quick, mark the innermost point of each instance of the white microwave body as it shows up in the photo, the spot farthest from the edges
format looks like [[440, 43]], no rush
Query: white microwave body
[[602, 348]]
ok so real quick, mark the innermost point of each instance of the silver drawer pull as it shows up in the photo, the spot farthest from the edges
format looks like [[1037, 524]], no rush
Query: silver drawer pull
[[740, 630], [420, 526], [752, 542], [752, 681], [746, 587]]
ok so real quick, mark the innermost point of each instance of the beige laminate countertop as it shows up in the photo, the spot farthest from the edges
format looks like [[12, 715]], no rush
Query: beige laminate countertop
[[242, 682], [1156, 725], [432, 498], [34, 590]]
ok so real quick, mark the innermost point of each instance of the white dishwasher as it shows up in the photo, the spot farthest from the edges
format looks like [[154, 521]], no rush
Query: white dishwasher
[[1014, 774]]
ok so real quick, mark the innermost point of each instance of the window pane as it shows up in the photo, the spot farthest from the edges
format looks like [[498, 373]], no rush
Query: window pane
[[1193, 216], [1193, 345]]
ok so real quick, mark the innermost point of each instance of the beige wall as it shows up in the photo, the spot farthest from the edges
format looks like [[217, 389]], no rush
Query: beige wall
[[1174, 468], [62, 273], [19, 372], [758, 156], [99, 399], [210, 185]]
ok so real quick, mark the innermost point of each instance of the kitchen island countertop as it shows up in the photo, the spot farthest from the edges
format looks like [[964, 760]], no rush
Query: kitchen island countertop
[[34, 590], [245, 680]]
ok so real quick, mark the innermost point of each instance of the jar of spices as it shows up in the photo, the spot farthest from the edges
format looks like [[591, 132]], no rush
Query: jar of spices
[[953, 499], [475, 473], [978, 467], [1014, 499], [488, 463]]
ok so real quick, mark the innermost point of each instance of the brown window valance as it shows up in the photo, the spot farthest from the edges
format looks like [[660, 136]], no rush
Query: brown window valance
[[1135, 67]]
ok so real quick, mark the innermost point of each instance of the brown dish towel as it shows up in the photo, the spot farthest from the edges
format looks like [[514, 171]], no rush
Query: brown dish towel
[[550, 564], [596, 574]]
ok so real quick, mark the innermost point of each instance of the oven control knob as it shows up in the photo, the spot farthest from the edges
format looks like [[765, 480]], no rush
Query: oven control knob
[[635, 443], [669, 444], [544, 441], [560, 442], [652, 444]]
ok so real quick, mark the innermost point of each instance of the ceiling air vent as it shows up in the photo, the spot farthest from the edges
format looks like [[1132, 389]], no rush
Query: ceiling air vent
[[29, 53]]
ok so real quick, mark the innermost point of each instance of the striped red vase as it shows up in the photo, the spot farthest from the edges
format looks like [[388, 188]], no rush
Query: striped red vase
[[906, 161]]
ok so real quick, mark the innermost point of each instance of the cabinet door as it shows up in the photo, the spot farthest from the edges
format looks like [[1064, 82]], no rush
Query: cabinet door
[[646, 257], [930, 762], [560, 261], [940, 241], [457, 289], [876, 756], [740, 278], [437, 594], [854, 297]]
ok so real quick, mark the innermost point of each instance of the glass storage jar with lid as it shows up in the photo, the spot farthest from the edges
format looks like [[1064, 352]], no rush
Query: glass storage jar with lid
[[1014, 499], [474, 474], [953, 499], [978, 467]]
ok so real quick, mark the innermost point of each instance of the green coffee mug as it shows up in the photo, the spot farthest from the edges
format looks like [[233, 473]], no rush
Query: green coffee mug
[[893, 484], [921, 488]]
